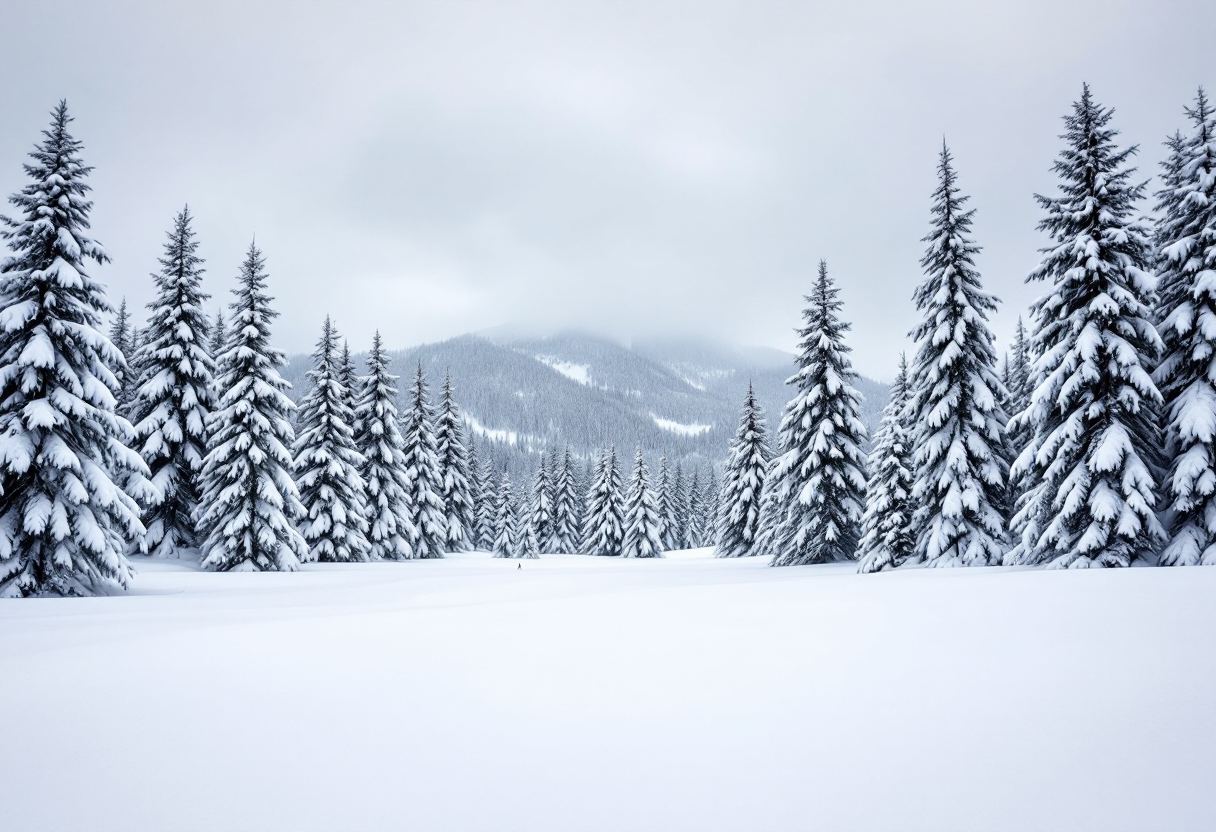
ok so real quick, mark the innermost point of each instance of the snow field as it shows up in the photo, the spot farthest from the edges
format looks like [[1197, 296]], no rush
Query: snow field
[[583, 693]]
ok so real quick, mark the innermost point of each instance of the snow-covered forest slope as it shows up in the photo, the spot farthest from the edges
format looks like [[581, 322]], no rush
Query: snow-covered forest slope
[[677, 397]]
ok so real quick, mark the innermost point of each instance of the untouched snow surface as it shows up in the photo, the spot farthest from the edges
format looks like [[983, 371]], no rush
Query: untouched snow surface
[[575, 372], [583, 693]]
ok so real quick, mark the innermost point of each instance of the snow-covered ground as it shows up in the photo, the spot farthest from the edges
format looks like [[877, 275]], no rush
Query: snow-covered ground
[[583, 693], [680, 429]]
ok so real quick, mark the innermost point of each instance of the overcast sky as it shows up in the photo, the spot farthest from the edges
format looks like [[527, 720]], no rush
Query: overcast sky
[[430, 169]]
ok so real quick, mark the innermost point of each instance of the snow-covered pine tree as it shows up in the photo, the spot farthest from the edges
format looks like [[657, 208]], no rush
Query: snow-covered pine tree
[[528, 547], [487, 506], [175, 394], [642, 539], [378, 440], [887, 535], [961, 459], [766, 544], [121, 330], [604, 518], [710, 501], [250, 504], [1186, 259], [564, 538], [694, 532], [1017, 399], [423, 477], [68, 478], [677, 521], [540, 510], [820, 476], [219, 337], [1093, 413], [327, 463], [743, 482], [506, 522], [456, 493], [662, 499]]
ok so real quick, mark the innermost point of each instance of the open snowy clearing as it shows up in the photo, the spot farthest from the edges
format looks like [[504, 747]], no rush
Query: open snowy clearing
[[583, 693]]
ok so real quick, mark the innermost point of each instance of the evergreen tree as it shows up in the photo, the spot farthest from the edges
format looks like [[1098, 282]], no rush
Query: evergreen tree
[[820, 476], [327, 463], [565, 508], [176, 394], [743, 482], [888, 538], [662, 501], [961, 459], [677, 522], [528, 546], [694, 532], [121, 332], [487, 506], [641, 539], [423, 477], [250, 503], [604, 517], [68, 480], [540, 512], [219, 337], [766, 544], [457, 494], [506, 523], [709, 516], [380, 444], [1186, 257], [1093, 412]]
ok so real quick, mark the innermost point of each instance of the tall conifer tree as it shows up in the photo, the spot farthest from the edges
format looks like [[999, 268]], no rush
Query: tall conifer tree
[[327, 462], [250, 504], [1186, 257], [961, 458], [68, 479], [604, 517], [819, 480], [738, 520], [423, 477], [641, 538], [457, 492], [378, 439], [1091, 459], [175, 394], [506, 524], [565, 507], [887, 535]]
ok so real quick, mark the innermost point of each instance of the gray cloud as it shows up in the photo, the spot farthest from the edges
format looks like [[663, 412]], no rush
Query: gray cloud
[[429, 169]]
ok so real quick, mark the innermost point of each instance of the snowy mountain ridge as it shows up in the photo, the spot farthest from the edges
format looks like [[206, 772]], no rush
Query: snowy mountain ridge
[[679, 397]]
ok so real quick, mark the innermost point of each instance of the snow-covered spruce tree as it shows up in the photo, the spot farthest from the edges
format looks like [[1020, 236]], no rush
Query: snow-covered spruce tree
[[677, 518], [540, 508], [820, 476], [564, 536], [457, 493], [528, 546], [327, 463], [693, 530], [1186, 260], [604, 518], [487, 506], [961, 459], [710, 500], [662, 499], [770, 514], [378, 440], [506, 521], [218, 338], [887, 535], [423, 478], [250, 504], [175, 395], [121, 332], [642, 539], [1093, 413], [68, 480], [742, 482]]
